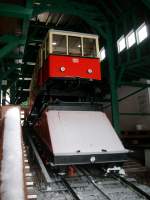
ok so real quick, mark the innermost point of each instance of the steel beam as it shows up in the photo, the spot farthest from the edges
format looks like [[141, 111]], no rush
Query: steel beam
[[10, 46], [132, 93], [137, 65], [0, 92], [125, 97], [138, 62], [15, 11], [40, 162], [13, 91], [4, 97], [136, 114], [112, 82], [96, 26], [7, 38], [117, 7], [68, 9], [7, 73], [121, 73], [86, 12], [135, 84], [71, 8], [147, 3], [108, 10], [25, 26]]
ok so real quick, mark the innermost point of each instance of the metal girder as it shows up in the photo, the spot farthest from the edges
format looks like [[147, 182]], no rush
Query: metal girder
[[10, 46], [26, 21], [132, 65], [140, 72], [2, 66], [135, 84], [69, 10], [68, 6], [117, 6], [121, 73], [0, 92], [7, 38], [12, 92], [15, 11], [88, 13], [7, 73], [139, 62], [96, 26], [132, 93], [147, 3], [4, 97], [136, 114], [25, 26], [131, 75], [125, 97], [112, 81], [108, 10]]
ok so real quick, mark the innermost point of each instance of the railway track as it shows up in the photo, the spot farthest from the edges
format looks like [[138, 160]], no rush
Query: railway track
[[118, 187], [77, 187], [81, 188], [91, 183], [97, 187]]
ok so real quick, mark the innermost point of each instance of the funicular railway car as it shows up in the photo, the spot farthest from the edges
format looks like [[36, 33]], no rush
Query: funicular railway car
[[64, 59], [70, 126], [68, 54]]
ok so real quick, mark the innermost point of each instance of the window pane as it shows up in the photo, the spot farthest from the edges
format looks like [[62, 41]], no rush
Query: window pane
[[74, 45], [89, 47], [121, 44], [131, 39], [142, 33], [59, 45], [102, 54]]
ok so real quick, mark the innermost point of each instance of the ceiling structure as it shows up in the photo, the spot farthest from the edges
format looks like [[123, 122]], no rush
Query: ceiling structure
[[24, 24]]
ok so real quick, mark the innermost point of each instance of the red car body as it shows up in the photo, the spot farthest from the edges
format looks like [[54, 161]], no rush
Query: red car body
[[61, 66]]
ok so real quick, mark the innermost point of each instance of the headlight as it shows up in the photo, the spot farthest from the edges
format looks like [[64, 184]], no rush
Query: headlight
[[90, 71], [62, 69]]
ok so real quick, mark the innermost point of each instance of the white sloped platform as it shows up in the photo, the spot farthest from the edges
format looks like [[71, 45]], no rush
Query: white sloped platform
[[86, 132]]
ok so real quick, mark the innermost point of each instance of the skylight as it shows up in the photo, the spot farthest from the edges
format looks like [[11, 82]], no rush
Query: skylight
[[121, 44], [130, 39], [141, 33], [102, 54]]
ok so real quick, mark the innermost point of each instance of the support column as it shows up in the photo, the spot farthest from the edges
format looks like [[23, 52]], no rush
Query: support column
[[4, 97], [147, 158], [0, 92], [12, 93], [113, 83]]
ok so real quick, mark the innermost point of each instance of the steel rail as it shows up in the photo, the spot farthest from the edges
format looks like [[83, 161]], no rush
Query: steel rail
[[133, 186], [122, 180], [87, 174], [71, 190], [46, 173], [91, 179], [40, 162]]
